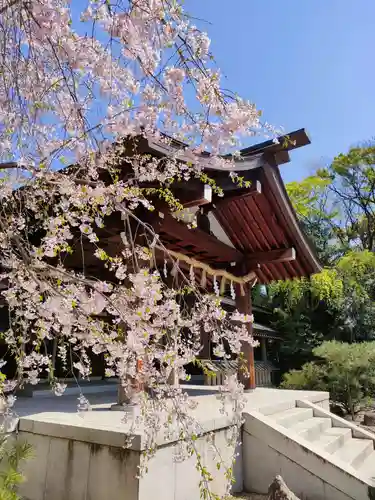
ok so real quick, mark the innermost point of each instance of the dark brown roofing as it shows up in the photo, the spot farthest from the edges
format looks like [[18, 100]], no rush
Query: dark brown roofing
[[255, 220], [264, 220], [265, 332], [267, 222]]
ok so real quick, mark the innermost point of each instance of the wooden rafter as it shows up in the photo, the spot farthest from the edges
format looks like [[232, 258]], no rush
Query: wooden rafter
[[202, 195], [231, 186], [271, 257], [253, 190], [195, 243]]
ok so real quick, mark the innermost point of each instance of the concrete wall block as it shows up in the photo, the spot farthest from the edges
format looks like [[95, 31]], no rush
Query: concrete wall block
[[317, 461], [187, 477], [303, 484], [35, 469], [331, 493], [262, 464], [223, 455], [112, 474], [67, 470], [159, 481], [238, 467]]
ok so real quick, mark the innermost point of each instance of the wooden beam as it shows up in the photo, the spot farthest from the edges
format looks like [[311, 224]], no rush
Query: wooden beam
[[209, 271], [189, 193], [9, 164], [204, 247], [287, 142], [281, 157], [223, 180], [271, 257], [202, 195], [253, 190]]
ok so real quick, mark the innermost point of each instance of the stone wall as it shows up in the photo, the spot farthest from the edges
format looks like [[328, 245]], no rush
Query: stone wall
[[67, 469], [311, 473]]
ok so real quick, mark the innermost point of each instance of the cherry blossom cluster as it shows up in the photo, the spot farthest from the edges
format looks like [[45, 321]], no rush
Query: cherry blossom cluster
[[77, 90]]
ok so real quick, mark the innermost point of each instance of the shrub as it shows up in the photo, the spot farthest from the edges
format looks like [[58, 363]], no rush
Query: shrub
[[310, 377], [347, 371]]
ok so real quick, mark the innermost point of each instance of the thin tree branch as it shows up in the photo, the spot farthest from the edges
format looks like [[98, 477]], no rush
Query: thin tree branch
[[6, 7]]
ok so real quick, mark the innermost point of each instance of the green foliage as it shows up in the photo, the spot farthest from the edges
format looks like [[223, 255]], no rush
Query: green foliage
[[11, 455], [310, 377], [317, 214], [306, 196], [337, 303], [357, 166], [347, 371], [336, 208], [327, 285], [357, 265], [352, 183], [337, 204]]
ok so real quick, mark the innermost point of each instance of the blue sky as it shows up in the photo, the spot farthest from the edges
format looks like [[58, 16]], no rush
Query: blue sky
[[305, 63]]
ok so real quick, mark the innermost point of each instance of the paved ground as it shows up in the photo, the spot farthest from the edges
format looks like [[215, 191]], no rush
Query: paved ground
[[58, 416], [63, 410]]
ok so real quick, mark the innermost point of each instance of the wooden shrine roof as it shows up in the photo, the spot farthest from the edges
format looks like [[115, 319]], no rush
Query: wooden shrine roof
[[259, 226], [267, 222], [252, 229]]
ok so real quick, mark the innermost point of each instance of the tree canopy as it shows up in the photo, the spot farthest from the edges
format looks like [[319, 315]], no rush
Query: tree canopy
[[347, 371], [84, 84], [336, 207]]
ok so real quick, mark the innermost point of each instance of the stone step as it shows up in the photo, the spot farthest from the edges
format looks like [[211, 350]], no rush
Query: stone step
[[272, 409], [354, 451], [367, 469], [289, 418], [312, 428], [333, 438]]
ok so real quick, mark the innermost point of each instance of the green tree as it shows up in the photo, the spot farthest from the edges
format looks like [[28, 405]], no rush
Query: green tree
[[335, 304], [347, 371], [336, 207], [351, 179], [316, 213]]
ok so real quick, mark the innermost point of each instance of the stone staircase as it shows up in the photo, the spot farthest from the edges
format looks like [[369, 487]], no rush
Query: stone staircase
[[321, 432], [320, 455]]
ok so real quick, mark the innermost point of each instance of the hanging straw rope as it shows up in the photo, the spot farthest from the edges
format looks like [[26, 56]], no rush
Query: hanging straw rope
[[207, 270]]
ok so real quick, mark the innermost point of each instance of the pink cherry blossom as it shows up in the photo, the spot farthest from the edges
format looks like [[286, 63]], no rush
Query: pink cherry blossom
[[71, 93]]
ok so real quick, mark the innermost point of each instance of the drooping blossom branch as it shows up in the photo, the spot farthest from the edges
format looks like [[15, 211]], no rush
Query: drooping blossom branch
[[77, 97]]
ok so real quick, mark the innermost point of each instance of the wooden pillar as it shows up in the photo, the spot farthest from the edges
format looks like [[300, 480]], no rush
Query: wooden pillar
[[244, 306], [263, 348], [173, 378], [172, 281], [135, 387], [205, 352]]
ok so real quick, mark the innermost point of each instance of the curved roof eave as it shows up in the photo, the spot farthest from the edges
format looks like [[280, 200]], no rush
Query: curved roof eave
[[288, 212]]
